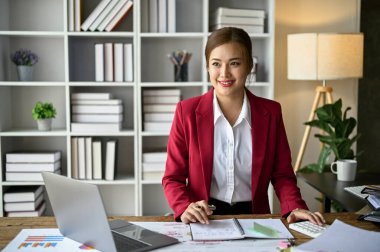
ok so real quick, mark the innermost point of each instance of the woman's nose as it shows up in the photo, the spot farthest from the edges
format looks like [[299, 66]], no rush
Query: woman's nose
[[224, 71]]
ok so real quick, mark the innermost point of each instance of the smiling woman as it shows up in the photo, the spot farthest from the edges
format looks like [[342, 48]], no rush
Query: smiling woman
[[227, 145]]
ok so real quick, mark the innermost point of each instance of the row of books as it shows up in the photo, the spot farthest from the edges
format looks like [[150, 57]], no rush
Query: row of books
[[105, 16], [24, 201], [158, 16], [158, 108], [28, 166], [114, 62], [373, 201], [153, 165], [86, 158], [251, 21], [96, 112]]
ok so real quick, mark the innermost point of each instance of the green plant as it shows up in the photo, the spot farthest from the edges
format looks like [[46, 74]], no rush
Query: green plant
[[337, 130], [43, 111]]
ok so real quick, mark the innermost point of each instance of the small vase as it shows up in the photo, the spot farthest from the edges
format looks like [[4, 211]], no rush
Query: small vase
[[25, 73], [44, 124]]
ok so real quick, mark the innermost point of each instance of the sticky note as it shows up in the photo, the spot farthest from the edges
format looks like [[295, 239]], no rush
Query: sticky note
[[268, 231]]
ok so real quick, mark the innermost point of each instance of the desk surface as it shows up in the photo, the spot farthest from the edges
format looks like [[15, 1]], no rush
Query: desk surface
[[10, 227], [327, 184]]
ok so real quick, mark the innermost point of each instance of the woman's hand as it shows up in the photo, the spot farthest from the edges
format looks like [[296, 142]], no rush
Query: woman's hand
[[302, 214], [196, 212]]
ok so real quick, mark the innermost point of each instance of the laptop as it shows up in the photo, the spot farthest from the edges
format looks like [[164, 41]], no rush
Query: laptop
[[80, 215]]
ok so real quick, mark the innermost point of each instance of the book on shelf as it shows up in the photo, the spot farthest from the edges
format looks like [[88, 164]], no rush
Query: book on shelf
[[162, 92], [144, 7], [157, 126], [118, 62], [152, 157], [74, 158], [153, 16], [38, 212], [162, 99], [108, 62], [372, 190], [111, 151], [70, 16], [26, 176], [103, 15], [374, 202], [88, 147], [96, 12], [97, 159], [111, 15], [97, 109], [152, 175], [95, 127], [99, 62], [33, 157], [24, 206], [153, 167], [158, 117], [77, 14], [247, 28], [96, 102], [128, 62], [81, 158], [223, 11], [22, 193], [171, 15], [97, 118], [116, 20], [91, 96], [32, 167], [162, 16], [236, 20], [159, 108]]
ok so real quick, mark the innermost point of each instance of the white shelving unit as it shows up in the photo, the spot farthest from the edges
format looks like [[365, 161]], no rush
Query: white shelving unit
[[67, 65]]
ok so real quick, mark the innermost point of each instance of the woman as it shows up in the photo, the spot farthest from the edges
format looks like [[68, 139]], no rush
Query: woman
[[227, 145]]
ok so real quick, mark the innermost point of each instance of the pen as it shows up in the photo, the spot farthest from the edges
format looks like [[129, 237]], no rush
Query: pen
[[212, 207]]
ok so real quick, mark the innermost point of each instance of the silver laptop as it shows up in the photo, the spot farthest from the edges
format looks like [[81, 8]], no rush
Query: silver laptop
[[81, 216]]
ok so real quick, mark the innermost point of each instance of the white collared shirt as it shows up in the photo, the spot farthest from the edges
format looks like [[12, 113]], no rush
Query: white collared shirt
[[232, 166]]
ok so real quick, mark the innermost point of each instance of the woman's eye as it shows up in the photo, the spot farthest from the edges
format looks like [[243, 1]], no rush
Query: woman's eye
[[235, 63], [215, 63]]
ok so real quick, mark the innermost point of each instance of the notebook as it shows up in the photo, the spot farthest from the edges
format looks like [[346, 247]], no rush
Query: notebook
[[81, 216]]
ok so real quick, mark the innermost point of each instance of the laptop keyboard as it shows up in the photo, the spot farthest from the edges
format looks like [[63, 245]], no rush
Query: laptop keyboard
[[124, 243]]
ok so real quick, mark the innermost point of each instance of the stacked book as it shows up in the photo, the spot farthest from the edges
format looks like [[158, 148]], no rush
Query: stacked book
[[158, 107], [24, 201], [252, 21], [373, 201], [86, 158], [153, 166], [28, 166], [158, 16], [105, 16], [113, 62], [95, 112]]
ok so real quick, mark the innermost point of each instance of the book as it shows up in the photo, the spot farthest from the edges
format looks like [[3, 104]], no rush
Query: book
[[108, 62], [24, 206], [118, 62], [81, 158], [91, 96], [162, 99], [128, 62], [38, 212], [158, 117], [29, 157], [96, 102], [97, 118], [162, 92], [236, 20], [162, 16], [91, 18], [374, 202], [95, 127], [223, 11], [153, 15], [97, 159], [157, 126], [26, 176], [88, 147], [99, 62], [74, 158], [153, 167], [144, 6], [372, 190], [102, 15], [32, 167], [152, 175], [77, 14], [171, 15], [119, 16], [247, 28], [111, 15], [159, 108], [151, 157], [373, 216], [97, 109], [71, 15], [110, 159], [232, 229], [22, 193]]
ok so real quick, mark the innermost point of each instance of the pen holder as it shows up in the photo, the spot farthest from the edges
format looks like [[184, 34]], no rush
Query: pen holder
[[181, 73]]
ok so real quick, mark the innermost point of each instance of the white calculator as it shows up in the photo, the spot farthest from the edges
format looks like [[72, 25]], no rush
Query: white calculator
[[308, 228]]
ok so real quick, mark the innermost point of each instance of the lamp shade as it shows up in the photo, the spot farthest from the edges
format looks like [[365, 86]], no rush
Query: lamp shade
[[325, 56]]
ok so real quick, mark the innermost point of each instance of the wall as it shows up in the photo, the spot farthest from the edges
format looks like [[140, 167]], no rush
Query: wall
[[296, 97]]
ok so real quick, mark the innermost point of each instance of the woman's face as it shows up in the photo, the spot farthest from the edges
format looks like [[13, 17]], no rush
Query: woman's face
[[228, 69]]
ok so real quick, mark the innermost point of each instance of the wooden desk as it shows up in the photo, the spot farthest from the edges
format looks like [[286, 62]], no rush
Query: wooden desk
[[10, 227], [332, 189]]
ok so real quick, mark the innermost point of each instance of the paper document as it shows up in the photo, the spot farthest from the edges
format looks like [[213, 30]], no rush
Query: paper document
[[343, 237], [49, 239]]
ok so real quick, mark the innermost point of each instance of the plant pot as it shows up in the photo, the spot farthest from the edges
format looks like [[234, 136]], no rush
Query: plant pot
[[25, 73], [44, 124]]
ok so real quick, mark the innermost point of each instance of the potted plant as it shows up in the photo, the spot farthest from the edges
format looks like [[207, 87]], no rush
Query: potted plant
[[43, 114], [25, 60]]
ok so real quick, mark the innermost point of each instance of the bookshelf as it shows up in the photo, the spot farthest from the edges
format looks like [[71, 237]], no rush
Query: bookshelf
[[66, 66]]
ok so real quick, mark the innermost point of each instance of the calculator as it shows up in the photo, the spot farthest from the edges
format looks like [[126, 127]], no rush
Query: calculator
[[308, 228]]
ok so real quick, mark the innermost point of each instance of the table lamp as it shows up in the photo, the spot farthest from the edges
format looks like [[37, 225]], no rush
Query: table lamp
[[322, 57]]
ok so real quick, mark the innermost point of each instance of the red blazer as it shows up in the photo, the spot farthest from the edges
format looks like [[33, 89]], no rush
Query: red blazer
[[191, 147]]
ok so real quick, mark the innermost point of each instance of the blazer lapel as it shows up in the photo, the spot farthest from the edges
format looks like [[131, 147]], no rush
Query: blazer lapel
[[205, 129]]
